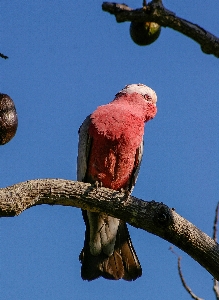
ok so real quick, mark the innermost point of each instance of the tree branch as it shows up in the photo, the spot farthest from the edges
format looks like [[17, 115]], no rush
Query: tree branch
[[184, 283], [156, 12], [186, 287], [216, 288], [216, 283], [153, 217]]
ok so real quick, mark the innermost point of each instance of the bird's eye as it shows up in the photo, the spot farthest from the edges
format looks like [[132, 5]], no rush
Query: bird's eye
[[147, 97]]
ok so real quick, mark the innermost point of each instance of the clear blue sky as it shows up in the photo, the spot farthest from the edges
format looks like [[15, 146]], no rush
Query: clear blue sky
[[65, 59]]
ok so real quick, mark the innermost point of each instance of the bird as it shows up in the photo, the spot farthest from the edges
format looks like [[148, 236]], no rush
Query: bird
[[110, 150]]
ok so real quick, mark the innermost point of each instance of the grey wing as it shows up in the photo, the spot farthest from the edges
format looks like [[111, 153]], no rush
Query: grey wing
[[138, 159], [84, 145], [102, 228]]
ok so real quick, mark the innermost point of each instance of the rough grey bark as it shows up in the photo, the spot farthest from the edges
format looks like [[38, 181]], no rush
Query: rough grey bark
[[156, 12], [154, 217]]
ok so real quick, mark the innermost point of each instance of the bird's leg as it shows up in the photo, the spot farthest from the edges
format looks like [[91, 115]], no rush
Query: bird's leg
[[98, 184], [127, 193]]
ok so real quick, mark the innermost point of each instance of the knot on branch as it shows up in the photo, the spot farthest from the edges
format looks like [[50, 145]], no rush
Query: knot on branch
[[163, 215]]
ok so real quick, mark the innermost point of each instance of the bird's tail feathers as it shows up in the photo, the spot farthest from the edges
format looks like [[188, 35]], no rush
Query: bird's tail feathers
[[122, 264]]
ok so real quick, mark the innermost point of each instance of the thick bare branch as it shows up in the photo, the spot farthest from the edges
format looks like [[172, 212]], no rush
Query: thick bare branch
[[153, 217], [156, 12]]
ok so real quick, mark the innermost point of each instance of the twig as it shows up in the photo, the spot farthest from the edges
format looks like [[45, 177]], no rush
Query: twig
[[187, 288], [156, 12], [215, 223]]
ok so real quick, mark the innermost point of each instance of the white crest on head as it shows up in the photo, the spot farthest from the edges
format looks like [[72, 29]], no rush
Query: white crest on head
[[141, 89]]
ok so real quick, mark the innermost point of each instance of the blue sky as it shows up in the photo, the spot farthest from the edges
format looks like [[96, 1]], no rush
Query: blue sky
[[65, 59]]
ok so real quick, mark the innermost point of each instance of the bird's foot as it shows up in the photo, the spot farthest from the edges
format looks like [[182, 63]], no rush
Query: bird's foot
[[98, 184]]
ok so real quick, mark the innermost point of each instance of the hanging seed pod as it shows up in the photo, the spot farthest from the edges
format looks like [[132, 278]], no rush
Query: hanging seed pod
[[144, 33], [8, 119]]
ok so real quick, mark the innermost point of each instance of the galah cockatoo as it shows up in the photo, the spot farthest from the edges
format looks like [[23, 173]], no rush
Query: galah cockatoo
[[110, 152]]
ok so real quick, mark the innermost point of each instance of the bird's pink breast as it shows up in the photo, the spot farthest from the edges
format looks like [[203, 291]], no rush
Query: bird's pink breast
[[116, 133]]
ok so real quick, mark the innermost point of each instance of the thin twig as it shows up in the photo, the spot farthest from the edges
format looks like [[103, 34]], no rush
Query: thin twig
[[215, 223], [187, 288]]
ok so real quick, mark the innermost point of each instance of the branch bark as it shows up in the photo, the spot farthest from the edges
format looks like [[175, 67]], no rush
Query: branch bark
[[156, 12], [216, 283], [153, 217]]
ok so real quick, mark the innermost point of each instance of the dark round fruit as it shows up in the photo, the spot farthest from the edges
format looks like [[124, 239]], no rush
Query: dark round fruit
[[8, 119], [144, 33]]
